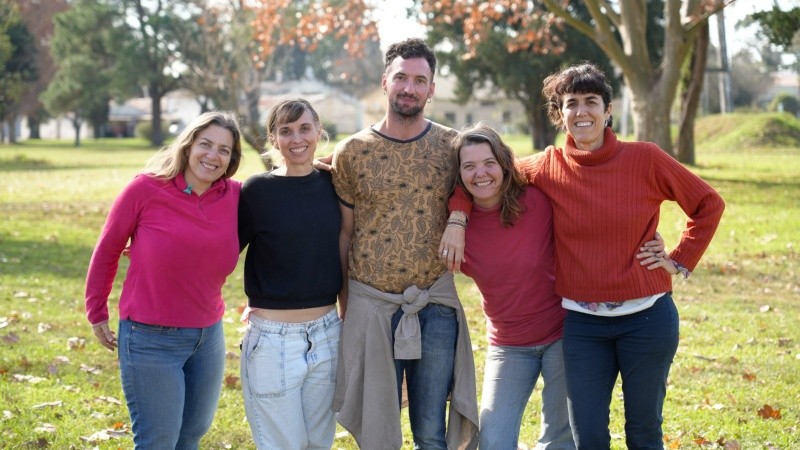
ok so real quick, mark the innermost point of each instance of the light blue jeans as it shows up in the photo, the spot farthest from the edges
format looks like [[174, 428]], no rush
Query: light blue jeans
[[430, 378], [172, 378], [288, 381], [509, 377]]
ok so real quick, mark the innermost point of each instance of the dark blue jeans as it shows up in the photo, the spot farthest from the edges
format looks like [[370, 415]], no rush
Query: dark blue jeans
[[430, 378], [640, 348]]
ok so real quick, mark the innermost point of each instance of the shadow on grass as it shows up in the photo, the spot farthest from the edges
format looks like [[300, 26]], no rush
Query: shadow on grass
[[22, 162], [743, 186], [43, 258]]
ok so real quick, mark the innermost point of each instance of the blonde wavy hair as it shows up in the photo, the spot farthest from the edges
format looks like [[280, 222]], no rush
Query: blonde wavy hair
[[173, 159]]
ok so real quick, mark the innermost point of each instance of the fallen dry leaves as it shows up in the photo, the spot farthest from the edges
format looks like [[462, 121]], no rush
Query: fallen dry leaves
[[768, 412]]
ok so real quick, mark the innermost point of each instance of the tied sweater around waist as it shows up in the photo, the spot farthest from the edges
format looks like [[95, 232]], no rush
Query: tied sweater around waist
[[366, 388]]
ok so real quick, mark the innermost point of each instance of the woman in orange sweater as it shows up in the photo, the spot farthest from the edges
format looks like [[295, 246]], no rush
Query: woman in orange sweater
[[606, 197]]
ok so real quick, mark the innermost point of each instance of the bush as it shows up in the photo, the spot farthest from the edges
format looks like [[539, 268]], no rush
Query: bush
[[144, 129], [331, 129], [786, 103]]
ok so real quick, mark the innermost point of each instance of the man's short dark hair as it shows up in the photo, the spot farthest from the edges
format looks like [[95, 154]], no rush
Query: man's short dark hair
[[411, 48]]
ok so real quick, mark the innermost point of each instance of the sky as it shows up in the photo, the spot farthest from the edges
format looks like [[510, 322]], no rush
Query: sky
[[394, 26]]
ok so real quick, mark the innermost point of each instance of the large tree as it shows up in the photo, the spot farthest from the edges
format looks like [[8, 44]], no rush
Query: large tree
[[151, 56], [781, 29], [17, 64], [499, 60], [620, 29], [286, 32], [85, 39], [38, 17], [691, 87]]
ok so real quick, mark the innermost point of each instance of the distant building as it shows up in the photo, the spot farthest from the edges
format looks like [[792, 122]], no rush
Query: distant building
[[336, 109], [782, 83], [488, 105]]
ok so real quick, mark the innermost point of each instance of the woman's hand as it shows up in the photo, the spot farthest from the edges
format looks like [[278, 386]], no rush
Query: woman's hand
[[451, 249], [654, 255], [104, 334], [324, 163]]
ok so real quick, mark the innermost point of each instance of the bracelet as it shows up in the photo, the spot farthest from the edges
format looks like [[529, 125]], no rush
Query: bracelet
[[457, 224], [463, 221], [681, 269]]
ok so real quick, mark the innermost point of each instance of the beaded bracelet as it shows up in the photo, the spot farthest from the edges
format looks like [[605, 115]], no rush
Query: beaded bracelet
[[681, 269], [457, 223]]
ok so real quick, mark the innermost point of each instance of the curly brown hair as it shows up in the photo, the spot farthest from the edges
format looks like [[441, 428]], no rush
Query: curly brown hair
[[410, 48], [584, 78]]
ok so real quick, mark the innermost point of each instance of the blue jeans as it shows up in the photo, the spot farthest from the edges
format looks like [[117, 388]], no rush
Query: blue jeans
[[288, 380], [639, 347], [172, 378], [509, 377], [430, 378]]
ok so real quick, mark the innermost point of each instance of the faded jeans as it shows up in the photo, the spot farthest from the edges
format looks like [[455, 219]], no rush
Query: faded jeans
[[288, 380], [172, 378], [509, 378]]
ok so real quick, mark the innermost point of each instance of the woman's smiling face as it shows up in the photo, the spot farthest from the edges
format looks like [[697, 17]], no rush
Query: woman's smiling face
[[585, 117]]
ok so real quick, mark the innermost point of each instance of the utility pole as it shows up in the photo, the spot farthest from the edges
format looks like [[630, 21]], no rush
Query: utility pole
[[725, 100]]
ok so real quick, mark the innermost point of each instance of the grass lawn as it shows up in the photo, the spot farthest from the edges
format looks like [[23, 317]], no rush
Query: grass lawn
[[734, 381]]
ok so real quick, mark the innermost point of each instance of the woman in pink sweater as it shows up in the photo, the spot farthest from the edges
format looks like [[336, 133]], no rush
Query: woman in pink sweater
[[180, 219], [606, 197]]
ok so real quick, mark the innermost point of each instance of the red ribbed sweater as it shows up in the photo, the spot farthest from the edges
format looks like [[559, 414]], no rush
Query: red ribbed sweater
[[606, 204]]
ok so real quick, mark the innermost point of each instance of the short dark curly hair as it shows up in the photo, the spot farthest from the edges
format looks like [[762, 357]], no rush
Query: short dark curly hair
[[584, 78], [410, 48]]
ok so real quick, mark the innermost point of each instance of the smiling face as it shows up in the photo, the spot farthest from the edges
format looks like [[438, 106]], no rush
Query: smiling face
[[408, 84], [584, 117], [297, 142], [482, 174], [209, 156]]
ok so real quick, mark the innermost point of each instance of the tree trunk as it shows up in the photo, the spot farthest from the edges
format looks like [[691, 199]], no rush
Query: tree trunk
[[252, 132], [76, 125], [157, 134], [33, 127], [651, 117], [543, 133], [692, 87], [12, 130]]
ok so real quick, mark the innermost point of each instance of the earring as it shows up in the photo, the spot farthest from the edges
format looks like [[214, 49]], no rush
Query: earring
[[429, 99]]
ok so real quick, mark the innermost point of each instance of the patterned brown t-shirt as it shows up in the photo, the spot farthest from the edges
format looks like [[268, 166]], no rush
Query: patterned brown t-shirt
[[399, 192]]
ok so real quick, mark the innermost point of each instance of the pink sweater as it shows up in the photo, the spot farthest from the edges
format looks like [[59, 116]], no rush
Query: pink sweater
[[606, 204], [182, 247], [514, 270]]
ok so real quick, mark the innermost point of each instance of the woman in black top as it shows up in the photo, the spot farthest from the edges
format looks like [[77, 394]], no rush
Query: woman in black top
[[290, 221]]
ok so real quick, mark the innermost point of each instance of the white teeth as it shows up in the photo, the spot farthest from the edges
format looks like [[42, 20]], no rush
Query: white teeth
[[208, 166], [583, 124], [483, 183], [298, 150]]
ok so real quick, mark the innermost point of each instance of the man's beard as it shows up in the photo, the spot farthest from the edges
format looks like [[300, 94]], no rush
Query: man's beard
[[406, 112]]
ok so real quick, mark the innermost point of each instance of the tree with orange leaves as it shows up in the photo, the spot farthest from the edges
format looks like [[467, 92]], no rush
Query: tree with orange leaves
[[620, 29]]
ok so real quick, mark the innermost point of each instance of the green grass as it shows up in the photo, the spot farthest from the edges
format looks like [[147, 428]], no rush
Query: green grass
[[740, 344]]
